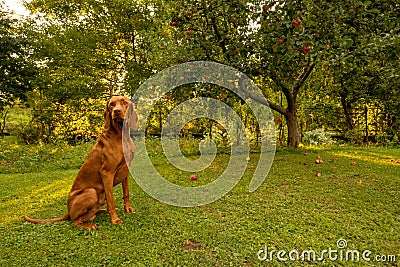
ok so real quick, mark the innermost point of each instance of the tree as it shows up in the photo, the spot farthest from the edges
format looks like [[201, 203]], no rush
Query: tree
[[268, 40], [98, 43], [15, 65], [88, 49], [364, 48], [278, 43]]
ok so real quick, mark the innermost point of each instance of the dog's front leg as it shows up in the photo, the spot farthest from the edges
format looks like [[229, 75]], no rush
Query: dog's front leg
[[108, 180], [125, 189]]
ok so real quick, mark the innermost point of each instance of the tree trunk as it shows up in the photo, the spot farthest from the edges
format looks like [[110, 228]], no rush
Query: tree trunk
[[293, 130], [348, 112], [290, 112], [3, 123]]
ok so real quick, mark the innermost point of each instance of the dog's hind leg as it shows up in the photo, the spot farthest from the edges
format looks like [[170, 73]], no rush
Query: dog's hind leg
[[82, 207]]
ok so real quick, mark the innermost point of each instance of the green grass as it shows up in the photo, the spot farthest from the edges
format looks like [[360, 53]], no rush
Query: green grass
[[293, 209]]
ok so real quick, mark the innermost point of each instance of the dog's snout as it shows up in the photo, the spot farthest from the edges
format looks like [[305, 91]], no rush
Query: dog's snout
[[117, 111]]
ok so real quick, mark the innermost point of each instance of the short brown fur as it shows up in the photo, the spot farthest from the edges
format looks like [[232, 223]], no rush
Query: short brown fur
[[105, 167]]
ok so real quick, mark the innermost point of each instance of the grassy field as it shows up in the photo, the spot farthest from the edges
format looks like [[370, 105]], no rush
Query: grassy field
[[294, 210]]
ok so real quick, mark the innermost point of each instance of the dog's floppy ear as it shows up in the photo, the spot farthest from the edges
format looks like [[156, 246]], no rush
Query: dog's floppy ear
[[107, 117], [131, 116]]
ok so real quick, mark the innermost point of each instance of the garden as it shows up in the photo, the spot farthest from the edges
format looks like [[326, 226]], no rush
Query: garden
[[325, 108]]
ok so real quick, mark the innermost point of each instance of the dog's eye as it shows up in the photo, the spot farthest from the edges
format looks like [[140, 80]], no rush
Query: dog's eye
[[124, 102], [112, 104]]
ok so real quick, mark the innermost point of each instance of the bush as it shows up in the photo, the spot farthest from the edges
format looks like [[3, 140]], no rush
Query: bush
[[78, 120], [318, 137], [74, 121], [354, 136], [26, 131]]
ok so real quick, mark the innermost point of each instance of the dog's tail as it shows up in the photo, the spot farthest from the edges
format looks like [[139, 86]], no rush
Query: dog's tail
[[64, 218]]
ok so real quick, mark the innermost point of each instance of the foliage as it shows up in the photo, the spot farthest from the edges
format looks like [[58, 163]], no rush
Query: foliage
[[282, 42], [291, 49], [317, 137], [73, 121], [16, 68], [79, 120]]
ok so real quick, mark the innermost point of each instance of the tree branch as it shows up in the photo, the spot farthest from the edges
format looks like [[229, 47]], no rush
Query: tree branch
[[302, 78], [260, 99]]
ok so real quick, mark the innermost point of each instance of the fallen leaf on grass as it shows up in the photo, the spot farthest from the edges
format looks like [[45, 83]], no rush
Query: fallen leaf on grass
[[192, 245]]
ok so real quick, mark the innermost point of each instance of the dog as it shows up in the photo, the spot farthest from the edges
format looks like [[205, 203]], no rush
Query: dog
[[105, 167]]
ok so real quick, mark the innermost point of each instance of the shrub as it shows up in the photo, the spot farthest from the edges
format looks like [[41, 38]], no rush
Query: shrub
[[318, 137], [78, 120]]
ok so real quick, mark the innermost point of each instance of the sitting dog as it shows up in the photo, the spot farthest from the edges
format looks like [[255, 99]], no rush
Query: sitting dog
[[105, 167]]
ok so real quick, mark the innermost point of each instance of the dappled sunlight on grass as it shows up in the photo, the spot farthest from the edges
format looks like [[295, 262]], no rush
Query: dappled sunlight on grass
[[28, 200], [368, 156]]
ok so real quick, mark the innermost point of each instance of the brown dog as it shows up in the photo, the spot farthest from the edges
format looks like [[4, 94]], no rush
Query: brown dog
[[105, 167]]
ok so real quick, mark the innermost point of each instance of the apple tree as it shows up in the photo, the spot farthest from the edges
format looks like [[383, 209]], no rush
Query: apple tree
[[277, 43], [280, 43]]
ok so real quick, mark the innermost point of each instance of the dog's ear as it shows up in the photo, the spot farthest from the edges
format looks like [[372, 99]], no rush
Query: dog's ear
[[131, 117], [107, 116]]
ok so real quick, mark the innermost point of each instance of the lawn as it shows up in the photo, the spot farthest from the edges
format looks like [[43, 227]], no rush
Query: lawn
[[294, 210]]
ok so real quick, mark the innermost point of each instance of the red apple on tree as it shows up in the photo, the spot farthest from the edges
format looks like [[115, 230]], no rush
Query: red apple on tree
[[266, 7], [297, 22], [188, 32], [306, 49]]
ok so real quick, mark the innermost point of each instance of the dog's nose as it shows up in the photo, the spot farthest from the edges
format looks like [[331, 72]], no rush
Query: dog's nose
[[117, 111]]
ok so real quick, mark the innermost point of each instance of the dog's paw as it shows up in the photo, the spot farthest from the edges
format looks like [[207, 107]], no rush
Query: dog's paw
[[87, 226], [92, 226], [116, 221], [129, 209]]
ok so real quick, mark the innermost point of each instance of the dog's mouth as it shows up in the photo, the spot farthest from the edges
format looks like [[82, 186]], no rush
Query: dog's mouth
[[119, 121]]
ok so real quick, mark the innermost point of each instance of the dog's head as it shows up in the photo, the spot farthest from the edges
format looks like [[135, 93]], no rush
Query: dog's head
[[118, 109]]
